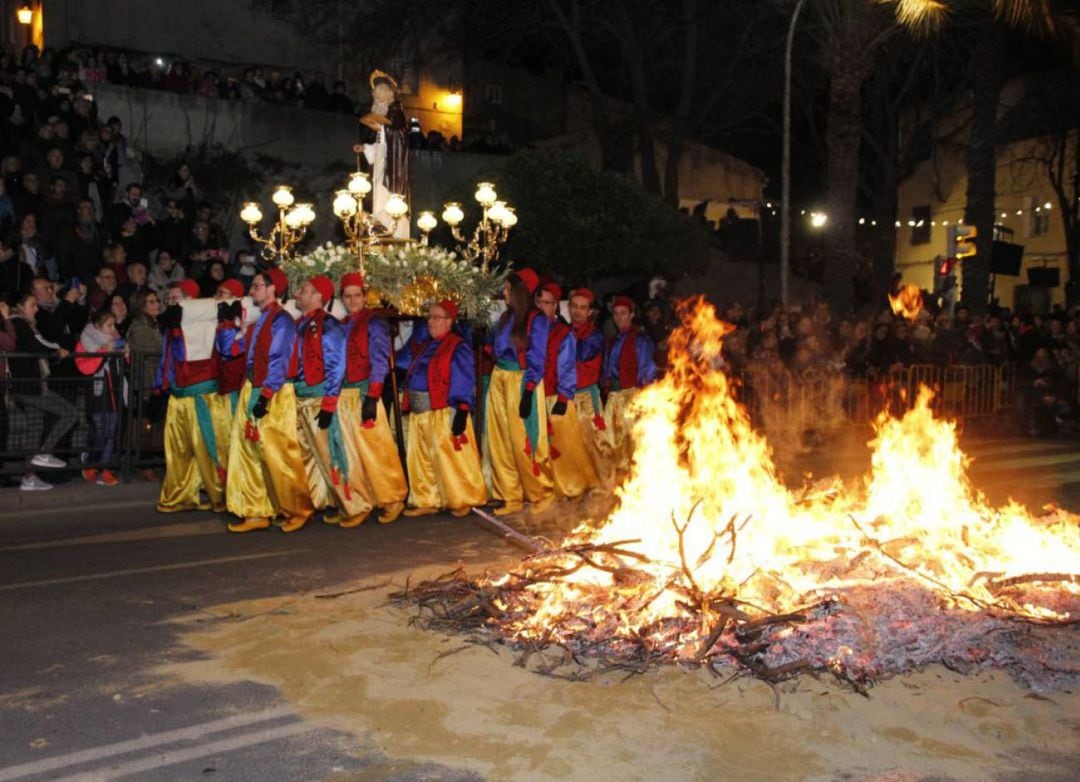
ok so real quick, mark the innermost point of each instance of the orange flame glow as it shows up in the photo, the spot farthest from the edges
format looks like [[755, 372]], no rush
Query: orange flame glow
[[699, 462], [907, 302]]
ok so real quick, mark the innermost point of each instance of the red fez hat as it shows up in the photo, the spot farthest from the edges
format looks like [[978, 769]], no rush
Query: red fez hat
[[322, 284], [190, 288], [584, 293], [622, 301], [234, 288], [351, 278], [447, 306], [529, 277], [554, 289], [277, 278]]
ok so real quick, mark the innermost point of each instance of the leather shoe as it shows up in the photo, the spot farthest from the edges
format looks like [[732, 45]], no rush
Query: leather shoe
[[391, 512], [293, 524], [250, 525]]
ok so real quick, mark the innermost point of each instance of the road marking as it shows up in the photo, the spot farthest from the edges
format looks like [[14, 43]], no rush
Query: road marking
[[1008, 450], [189, 529], [138, 570], [1025, 462], [174, 756], [148, 741]]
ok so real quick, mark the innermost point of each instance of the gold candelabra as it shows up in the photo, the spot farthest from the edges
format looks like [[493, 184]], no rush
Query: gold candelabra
[[362, 230], [496, 220], [292, 223]]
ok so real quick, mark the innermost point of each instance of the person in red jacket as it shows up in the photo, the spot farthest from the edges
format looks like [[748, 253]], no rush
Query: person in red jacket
[[193, 422], [589, 362], [368, 440], [264, 452], [515, 414], [629, 366], [440, 390], [318, 372], [572, 468]]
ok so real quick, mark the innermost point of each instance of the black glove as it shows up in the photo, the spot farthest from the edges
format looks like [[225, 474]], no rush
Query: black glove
[[461, 417], [369, 410], [260, 408], [155, 407], [236, 309], [325, 417], [224, 312], [526, 403], [171, 317], [559, 408]]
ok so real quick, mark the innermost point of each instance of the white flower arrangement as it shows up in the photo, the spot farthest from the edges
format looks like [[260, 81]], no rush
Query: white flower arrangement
[[409, 278], [330, 259]]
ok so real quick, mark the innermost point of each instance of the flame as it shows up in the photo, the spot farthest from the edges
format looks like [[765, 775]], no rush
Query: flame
[[704, 504], [908, 302]]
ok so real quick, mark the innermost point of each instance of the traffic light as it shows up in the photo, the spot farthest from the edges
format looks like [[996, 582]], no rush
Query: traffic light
[[965, 242]]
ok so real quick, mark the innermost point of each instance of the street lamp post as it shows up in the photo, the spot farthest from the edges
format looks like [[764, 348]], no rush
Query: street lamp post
[[785, 174]]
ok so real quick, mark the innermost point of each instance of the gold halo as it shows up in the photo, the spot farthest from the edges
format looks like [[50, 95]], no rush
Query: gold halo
[[377, 74]]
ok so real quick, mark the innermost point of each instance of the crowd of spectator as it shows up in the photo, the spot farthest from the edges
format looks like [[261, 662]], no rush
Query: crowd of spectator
[[257, 84], [86, 259], [791, 344]]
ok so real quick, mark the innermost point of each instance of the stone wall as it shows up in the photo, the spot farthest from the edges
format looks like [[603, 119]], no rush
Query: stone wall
[[165, 123]]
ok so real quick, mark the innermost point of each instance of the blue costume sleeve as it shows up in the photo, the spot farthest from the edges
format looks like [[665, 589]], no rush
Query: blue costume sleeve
[[567, 368], [536, 352], [333, 344], [282, 339], [378, 355], [590, 347], [646, 360], [462, 377], [229, 341], [159, 375]]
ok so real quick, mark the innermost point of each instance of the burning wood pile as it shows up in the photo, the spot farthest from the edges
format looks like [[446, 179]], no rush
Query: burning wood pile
[[709, 559]]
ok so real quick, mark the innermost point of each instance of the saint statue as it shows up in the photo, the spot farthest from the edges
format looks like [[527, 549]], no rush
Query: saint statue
[[384, 138]]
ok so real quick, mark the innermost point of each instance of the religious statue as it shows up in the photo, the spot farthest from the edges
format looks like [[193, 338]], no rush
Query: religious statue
[[384, 138]]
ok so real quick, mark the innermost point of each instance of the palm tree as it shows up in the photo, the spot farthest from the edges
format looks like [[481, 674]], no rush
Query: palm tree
[[854, 31], [990, 69]]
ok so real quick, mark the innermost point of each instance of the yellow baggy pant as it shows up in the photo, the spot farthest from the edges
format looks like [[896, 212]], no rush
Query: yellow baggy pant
[[520, 470], [266, 470], [597, 442], [325, 481], [189, 466], [442, 475], [571, 467], [620, 426], [372, 450]]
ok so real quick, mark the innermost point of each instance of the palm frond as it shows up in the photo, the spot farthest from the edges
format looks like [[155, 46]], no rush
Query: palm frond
[[920, 16], [1030, 15]]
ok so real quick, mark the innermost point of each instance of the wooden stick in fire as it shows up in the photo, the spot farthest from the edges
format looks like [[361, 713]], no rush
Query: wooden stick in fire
[[509, 532]]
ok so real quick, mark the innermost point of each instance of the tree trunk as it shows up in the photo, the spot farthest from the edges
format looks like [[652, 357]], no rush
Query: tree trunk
[[989, 63], [686, 99], [842, 135]]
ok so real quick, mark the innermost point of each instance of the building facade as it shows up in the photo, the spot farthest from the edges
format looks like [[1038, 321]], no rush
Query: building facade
[[931, 210]]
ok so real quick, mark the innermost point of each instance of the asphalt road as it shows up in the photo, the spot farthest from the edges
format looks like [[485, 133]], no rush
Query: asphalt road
[[86, 601], [87, 598]]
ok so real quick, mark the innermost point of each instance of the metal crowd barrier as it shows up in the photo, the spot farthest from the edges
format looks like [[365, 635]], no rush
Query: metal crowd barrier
[[780, 400], [84, 420], [93, 424]]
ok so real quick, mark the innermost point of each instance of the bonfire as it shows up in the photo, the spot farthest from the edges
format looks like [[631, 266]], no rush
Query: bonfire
[[709, 559]]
